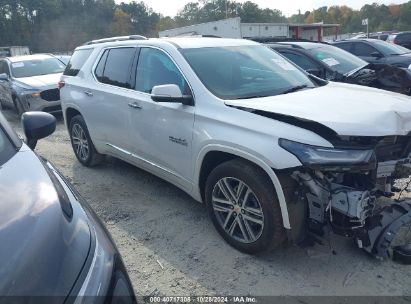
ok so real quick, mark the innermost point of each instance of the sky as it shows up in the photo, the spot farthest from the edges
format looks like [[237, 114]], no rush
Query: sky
[[290, 7]]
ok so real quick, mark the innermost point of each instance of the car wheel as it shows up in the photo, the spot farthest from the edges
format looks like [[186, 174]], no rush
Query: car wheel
[[20, 106], [243, 206], [81, 142]]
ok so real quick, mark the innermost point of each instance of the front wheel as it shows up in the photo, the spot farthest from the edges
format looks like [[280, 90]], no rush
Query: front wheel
[[243, 206], [81, 142]]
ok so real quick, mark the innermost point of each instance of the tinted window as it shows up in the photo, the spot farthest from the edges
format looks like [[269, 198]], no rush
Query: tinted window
[[156, 68], [363, 49], [390, 49], [100, 66], [300, 60], [4, 68], [239, 72], [344, 46], [118, 66], [76, 62], [36, 67]]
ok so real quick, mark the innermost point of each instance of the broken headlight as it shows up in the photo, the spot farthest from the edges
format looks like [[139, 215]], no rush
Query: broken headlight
[[326, 158]]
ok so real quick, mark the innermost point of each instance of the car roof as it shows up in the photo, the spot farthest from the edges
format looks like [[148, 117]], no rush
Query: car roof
[[178, 42], [302, 44], [29, 57]]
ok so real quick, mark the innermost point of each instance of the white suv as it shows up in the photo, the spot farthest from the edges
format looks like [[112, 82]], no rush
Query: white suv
[[274, 153]]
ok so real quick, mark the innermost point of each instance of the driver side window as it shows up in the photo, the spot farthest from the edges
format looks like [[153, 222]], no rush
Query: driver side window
[[156, 68]]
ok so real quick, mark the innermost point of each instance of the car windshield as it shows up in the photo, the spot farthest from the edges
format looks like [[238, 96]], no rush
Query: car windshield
[[250, 71], [7, 150], [337, 59], [36, 67], [390, 49]]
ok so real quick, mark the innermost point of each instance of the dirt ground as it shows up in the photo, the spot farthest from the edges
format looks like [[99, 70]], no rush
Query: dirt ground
[[170, 247]]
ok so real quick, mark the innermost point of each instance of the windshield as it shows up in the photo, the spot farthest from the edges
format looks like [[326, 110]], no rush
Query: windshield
[[390, 49], [36, 67], [245, 71], [6, 148], [337, 59]]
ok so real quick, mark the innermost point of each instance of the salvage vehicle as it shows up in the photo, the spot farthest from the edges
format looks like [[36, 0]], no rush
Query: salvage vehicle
[[332, 63], [30, 83], [54, 248], [274, 153], [377, 52]]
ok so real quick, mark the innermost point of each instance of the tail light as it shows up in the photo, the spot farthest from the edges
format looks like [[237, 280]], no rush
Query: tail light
[[61, 84]]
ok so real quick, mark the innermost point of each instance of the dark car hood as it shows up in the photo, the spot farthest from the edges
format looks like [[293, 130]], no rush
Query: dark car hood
[[42, 250]]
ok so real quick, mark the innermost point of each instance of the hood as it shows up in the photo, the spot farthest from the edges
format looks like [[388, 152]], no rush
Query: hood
[[49, 80], [346, 109], [42, 249]]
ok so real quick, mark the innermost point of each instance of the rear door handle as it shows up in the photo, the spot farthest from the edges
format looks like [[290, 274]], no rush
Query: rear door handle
[[135, 105], [88, 93]]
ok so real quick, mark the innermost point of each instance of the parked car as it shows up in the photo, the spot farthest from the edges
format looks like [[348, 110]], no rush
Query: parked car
[[377, 52], [30, 83], [403, 39], [332, 63], [273, 152], [53, 244]]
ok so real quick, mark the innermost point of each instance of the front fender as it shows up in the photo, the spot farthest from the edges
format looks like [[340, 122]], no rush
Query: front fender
[[250, 157]]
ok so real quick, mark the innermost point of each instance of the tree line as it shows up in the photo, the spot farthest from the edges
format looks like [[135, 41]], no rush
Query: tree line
[[61, 25]]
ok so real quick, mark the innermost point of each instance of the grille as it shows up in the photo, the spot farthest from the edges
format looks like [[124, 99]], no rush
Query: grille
[[50, 95], [393, 147]]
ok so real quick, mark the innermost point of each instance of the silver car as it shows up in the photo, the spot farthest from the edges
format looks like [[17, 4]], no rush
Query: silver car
[[30, 83]]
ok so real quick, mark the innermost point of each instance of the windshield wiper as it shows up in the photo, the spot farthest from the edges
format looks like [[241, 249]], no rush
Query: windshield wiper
[[294, 89]]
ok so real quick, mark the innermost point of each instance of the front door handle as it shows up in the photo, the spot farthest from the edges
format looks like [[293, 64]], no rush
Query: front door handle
[[88, 93], [135, 105]]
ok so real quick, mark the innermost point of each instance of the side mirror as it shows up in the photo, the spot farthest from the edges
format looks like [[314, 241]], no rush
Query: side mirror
[[37, 125], [376, 55], [170, 93], [4, 77]]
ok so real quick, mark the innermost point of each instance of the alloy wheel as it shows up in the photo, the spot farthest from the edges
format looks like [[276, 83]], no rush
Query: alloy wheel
[[80, 142], [237, 210]]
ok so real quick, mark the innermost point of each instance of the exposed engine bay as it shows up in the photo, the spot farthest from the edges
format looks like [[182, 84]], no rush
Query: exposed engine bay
[[348, 198]]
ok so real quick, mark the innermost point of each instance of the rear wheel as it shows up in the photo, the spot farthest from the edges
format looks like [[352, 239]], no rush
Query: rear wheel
[[81, 142], [243, 207]]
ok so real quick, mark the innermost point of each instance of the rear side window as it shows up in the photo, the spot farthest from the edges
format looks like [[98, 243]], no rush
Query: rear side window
[[114, 67], [344, 46], [77, 61], [300, 60]]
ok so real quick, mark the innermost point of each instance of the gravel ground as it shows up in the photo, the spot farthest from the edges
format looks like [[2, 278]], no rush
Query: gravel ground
[[170, 247]]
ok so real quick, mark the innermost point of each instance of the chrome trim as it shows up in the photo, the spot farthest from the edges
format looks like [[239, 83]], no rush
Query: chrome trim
[[148, 162]]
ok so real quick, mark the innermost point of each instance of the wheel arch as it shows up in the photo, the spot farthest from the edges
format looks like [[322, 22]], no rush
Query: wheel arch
[[69, 113], [213, 155]]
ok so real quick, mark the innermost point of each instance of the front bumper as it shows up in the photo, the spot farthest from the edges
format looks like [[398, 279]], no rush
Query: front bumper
[[48, 101]]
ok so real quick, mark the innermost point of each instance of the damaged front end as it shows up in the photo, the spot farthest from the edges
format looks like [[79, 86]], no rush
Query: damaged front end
[[350, 189]]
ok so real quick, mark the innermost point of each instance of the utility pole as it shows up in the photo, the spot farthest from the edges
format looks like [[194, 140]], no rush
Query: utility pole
[[226, 9]]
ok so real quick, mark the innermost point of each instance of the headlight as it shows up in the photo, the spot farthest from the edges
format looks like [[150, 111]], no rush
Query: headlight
[[329, 158]]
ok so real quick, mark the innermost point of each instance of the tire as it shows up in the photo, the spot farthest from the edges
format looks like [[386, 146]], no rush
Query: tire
[[20, 107], [254, 232], [81, 143]]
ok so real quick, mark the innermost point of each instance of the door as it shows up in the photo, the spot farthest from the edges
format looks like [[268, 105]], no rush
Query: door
[[161, 133], [368, 53], [5, 85], [105, 103]]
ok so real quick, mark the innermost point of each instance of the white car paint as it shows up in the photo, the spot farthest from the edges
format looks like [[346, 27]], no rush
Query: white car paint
[[141, 136]]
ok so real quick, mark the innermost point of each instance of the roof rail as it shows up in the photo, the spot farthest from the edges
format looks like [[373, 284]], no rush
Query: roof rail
[[119, 38], [282, 39]]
